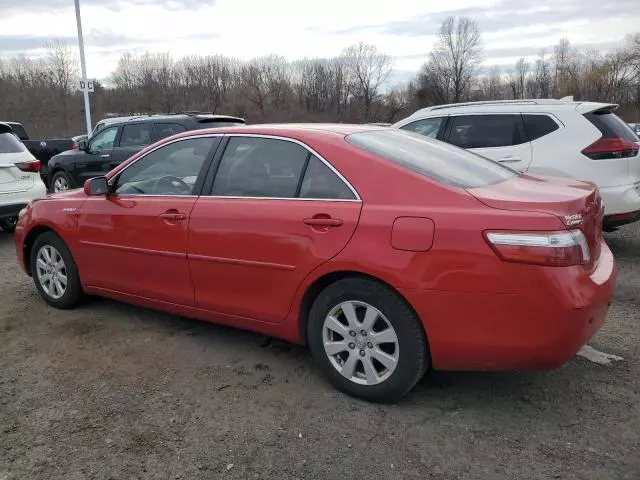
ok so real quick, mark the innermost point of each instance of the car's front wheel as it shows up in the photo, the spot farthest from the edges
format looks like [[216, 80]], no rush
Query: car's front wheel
[[54, 271], [366, 340]]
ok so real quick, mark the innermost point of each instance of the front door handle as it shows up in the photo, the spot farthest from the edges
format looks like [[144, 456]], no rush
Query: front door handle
[[509, 159], [173, 215], [323, 222], [106, 155]]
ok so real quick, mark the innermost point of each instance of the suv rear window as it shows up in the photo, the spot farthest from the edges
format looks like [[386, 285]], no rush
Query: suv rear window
[[610, 125], [9, 143], [538, 125], [438, 161]]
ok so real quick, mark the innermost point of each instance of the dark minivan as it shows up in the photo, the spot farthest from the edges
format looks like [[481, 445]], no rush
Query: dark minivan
[[114, 144]]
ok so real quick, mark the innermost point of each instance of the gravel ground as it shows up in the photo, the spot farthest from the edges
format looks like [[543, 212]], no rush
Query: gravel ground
[[110, 391]]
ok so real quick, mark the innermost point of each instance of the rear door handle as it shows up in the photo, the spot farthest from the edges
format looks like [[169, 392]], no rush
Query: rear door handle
[[323, 222], [173, 216], [509, 159], [106, 155]]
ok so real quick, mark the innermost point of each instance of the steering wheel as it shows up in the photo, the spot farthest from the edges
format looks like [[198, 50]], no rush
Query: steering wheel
[[172, 184]]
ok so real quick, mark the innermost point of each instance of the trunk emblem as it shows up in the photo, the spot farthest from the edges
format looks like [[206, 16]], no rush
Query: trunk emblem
[[573, 219]]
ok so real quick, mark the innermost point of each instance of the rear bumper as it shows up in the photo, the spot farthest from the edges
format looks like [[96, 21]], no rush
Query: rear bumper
[[621, 199], [539, 329], [617, 220], [11, 210]]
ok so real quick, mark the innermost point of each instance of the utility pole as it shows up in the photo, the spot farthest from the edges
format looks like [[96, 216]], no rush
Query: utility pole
[[85, 91]]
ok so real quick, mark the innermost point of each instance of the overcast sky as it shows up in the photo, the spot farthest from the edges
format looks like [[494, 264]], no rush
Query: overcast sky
[[296, 29]]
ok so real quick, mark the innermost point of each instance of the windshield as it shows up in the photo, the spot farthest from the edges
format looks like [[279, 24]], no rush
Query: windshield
[[433, 159], [9, 143]]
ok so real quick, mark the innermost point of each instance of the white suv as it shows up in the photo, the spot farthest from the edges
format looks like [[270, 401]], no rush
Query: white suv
[[20, 180], [581, 140]]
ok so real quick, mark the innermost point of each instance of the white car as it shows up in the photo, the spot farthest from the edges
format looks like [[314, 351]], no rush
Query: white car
[[581, 140], [20, 180]]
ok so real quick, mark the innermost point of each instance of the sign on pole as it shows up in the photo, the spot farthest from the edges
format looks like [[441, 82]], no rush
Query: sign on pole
[[85, 85]]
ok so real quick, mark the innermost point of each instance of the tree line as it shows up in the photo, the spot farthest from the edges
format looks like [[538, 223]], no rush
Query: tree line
[[351, 87]]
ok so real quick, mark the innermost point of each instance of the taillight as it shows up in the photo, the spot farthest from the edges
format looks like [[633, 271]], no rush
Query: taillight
[[32, 166], [554, 249], [605, 148]]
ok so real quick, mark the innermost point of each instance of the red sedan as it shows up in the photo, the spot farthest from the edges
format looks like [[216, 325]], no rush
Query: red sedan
[[386, 252]]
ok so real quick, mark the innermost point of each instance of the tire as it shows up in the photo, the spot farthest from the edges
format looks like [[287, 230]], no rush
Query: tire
[[390, 381], [48, 288], [8, 224], [61, 182]]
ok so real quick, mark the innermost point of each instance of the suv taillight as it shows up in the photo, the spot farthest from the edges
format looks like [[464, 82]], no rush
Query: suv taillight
[[553, 249], [606, 148], [32, 166]]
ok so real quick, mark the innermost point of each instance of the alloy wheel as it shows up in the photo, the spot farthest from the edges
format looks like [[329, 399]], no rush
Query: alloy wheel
[[60, 184], [52, 272], [360, 343]]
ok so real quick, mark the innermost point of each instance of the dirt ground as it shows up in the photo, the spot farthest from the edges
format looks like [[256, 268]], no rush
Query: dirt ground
[[110, 391]]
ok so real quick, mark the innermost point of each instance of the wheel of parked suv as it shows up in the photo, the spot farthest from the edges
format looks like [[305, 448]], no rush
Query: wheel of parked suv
[[54, 271], [61, 182], [366, 340], [8, 224]]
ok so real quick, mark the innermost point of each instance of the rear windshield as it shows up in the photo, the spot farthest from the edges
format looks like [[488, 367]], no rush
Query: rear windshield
[[9, 143], [213, 123], [19, 131], [431, 158], [610, 125]]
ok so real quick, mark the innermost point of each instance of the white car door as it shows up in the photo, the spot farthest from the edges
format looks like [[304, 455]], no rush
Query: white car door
[[498, 136]]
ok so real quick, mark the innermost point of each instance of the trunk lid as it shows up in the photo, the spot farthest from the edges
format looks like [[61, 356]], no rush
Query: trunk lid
[[577, 204]]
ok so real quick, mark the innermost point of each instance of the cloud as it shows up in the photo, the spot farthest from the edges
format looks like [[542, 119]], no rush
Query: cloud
[[504, 15], [8, 6]]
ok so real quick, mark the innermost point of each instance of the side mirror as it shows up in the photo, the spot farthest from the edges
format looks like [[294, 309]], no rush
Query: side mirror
[[82, 145], [96, 186]]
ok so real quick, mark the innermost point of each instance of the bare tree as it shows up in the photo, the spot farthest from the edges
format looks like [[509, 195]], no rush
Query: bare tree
[[454, 58], [62, 69], [522, 69], [367, 70]]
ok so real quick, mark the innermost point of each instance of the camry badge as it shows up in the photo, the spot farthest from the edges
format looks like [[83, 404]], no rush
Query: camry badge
[[573, 219], [69, 209]]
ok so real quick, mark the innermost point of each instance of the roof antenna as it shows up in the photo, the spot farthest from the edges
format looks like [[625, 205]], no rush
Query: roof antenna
[[568, 98]]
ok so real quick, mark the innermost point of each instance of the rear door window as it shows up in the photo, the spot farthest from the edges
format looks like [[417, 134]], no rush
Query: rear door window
[[136, 135], [165, 130], [429, 127], [438, 161], [321, 182], [538, 126], [260, 167], [486, 131]]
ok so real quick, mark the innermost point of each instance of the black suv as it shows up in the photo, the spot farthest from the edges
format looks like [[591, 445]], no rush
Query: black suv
[[117, 142]]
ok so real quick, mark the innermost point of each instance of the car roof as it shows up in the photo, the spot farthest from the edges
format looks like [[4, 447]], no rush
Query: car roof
[[174, 117], [293, 129], [507, 106]]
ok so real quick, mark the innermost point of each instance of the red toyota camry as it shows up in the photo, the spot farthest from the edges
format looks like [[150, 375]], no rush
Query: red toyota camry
[[384, 251]]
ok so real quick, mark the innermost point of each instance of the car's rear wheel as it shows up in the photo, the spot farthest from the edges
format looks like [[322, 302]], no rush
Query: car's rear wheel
[[54, 271], [8, 224], [366, 340], [61, 182]]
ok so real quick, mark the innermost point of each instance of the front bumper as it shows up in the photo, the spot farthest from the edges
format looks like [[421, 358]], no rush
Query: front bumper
[[541, 328]]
